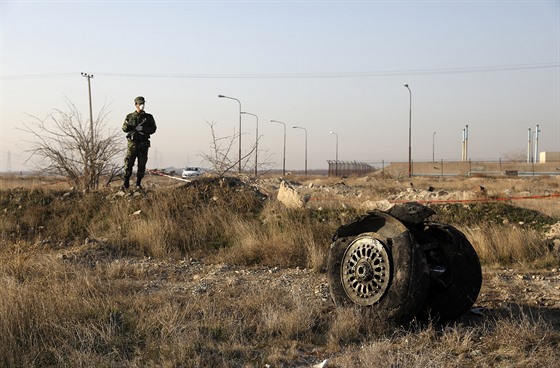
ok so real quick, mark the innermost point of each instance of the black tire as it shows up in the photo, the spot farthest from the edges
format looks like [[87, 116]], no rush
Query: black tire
[[402, 291], [455, 273]]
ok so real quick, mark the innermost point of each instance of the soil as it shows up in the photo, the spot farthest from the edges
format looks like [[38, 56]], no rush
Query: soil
[[502, 289]]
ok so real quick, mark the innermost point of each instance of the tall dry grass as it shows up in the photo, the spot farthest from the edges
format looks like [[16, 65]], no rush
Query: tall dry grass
[[61, 313], [106, 308], [500, 245], [56, 313], [515, 340]]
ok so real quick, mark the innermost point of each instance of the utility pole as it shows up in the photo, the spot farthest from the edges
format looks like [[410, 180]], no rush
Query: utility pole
[[89, 161], [89, 76]]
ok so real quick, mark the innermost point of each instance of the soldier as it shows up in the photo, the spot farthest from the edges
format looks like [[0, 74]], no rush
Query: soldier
[[138, 125]]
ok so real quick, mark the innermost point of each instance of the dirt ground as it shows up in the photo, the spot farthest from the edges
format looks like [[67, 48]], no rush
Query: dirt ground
[[502, 289]]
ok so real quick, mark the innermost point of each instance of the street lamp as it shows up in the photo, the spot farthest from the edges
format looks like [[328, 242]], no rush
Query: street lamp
[[256, 139], [284, 156], [434, 147], [336, 159], [297, 127], [231, 98], [409, 132]]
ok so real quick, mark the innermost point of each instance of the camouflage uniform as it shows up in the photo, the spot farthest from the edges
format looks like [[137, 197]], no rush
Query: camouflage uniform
[[139, 126]]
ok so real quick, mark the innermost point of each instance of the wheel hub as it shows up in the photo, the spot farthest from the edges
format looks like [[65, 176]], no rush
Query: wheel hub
[[365, 270]]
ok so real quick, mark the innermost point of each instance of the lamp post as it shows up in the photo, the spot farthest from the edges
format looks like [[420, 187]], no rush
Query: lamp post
[[409, 132], [297, 127], [284, 155], [256, 139], [336, 159], [434, 147], [231, 98]]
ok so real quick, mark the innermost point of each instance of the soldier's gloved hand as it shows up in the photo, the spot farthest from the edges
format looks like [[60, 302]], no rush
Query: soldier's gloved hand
[[139, 128]]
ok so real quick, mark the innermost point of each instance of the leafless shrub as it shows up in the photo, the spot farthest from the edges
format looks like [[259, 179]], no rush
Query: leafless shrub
[[220, 154], [64, 144]]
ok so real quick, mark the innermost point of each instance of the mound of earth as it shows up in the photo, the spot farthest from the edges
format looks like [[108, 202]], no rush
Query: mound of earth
[[225, 191], [492, 213]]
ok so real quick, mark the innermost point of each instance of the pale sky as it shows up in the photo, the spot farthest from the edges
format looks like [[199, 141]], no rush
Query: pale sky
[[323, 65]]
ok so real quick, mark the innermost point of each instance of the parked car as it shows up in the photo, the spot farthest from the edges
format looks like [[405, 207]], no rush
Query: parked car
[[191, 171]]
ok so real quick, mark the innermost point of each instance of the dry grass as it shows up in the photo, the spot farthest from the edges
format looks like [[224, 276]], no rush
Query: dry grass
[[520, 339], [500, 245], [76, 290], [59, 313]]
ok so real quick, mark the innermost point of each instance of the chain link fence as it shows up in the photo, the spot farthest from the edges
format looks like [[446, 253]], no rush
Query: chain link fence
[[444, 168]]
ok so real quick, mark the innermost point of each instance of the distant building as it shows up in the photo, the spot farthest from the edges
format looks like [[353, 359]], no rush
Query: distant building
[[549, 157]]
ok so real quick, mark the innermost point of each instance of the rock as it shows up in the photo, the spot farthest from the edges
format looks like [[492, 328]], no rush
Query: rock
[[554, 231], [382, 205], [289, 196], [323, 364]]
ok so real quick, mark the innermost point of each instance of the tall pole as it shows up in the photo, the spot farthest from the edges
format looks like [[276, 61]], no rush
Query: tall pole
[[90, 160], [336, 155], [231, 98], [88, 76], [256, 140], [434, 147], [409, 132], [467, 142], [537, 131], [284, 155], [297, 127], [529, 147], [463, 147]]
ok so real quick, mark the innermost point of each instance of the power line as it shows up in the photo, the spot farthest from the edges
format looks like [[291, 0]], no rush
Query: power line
[[38, 76], [364, 74]]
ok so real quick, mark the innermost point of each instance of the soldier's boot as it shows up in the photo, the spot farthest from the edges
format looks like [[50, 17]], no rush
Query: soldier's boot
[[126, 183], [138, 183]]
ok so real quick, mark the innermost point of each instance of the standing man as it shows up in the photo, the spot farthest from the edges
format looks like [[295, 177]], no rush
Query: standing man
[[138, 125]]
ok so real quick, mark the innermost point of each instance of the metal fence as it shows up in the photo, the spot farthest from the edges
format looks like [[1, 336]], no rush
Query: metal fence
[[346, 168], [468, 168]]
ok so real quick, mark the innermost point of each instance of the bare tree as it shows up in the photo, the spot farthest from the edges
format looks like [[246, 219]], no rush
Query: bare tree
[[64, 144], [221, 150]]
